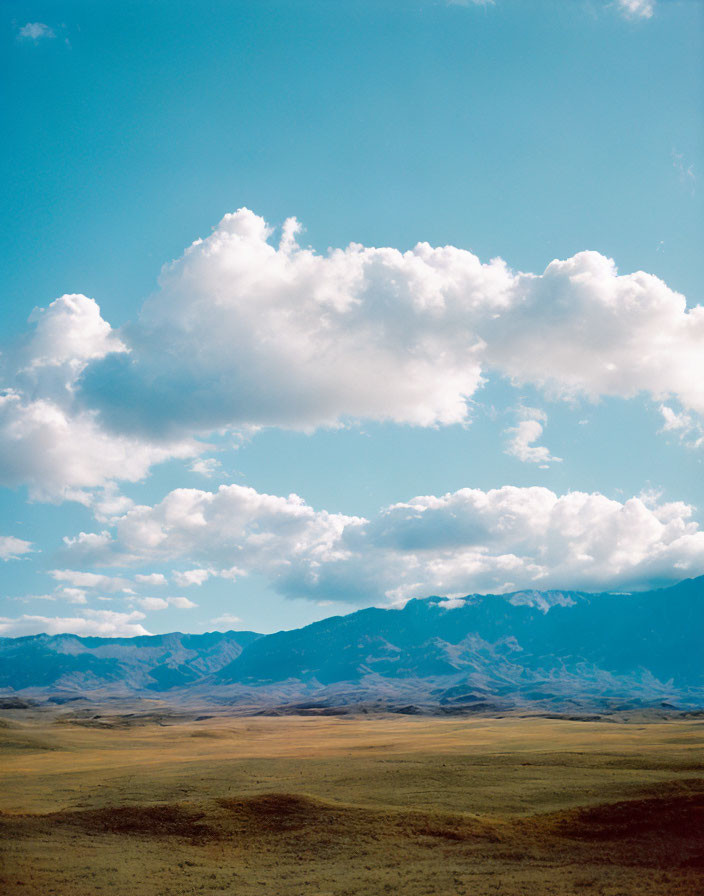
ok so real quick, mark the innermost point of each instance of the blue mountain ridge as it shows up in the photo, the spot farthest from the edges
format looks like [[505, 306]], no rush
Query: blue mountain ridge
[[554, 649]]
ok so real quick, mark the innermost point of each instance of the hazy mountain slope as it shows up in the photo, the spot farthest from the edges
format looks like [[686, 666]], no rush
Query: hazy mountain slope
[[660, 631], [547, 649], [155, 662]]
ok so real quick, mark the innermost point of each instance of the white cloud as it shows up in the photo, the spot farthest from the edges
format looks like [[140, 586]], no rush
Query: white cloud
[[226, 621], [191, 577], [11, 548], [233, 573], [637, 9], [79, 579], [206, 466], [72, 595], [181, 603], [36, 31], [283, 336], [69, 332], [243, 334], [50, 442], [87, 542], [686, 426], [582, 329], [471, 540], [59, 454], [525, 434], [152, 603], [162, 603], [102, 623], [152, 578], [107, 503]]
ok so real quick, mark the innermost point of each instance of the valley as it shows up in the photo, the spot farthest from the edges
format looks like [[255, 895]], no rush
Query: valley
[[142, 798]]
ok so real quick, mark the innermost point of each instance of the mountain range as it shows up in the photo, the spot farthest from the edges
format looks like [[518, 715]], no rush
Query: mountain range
[[555, 651]]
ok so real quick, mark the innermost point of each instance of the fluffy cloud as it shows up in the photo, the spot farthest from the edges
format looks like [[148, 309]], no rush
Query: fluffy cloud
[[102, 623], [59, 454], [36, 31], [162, 603], [688, 428], [49, 440], [245, 333], [206, 466], [80, 586], [72, 595], [227, 621], [11, 548], [79, 579], [470, 540], [525, 434], [181, 603], [191, 577], [233, 530], [637, 9], [152, 578], [580, 328]]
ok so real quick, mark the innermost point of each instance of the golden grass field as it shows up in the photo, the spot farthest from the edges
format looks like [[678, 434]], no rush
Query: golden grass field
[[156, 804]]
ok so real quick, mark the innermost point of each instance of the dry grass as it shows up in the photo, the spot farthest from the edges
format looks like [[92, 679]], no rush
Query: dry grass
[[348, 806]]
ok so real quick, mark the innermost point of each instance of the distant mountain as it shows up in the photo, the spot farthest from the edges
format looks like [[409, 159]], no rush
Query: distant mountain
[[145, 663], [553, 650]]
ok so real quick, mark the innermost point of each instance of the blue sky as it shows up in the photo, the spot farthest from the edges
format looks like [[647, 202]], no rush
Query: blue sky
[[272, 430]]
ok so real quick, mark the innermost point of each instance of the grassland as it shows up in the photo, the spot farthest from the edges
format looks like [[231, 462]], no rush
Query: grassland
[[156, 804]]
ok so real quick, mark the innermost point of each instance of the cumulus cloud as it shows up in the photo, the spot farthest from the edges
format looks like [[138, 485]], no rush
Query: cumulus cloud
[[227, 621], [152, 603], [637, 9], [470, 540], [191, 577], [206, 466], [244, 333], [163, 603], [181, 603], [49, 440], [11, 548], [72, 595], [59, 455], [107, 503], [580, 328], [152, 578], [687, 427], [36, 31], [452, 603], [101, 623], [525, 434], [80, 579], [81, 586]]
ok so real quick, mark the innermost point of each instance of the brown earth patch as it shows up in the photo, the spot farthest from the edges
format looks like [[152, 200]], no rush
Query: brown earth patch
[[172, 820]]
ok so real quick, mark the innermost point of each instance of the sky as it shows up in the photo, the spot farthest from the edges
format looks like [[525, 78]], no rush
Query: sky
[[309, 306]]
